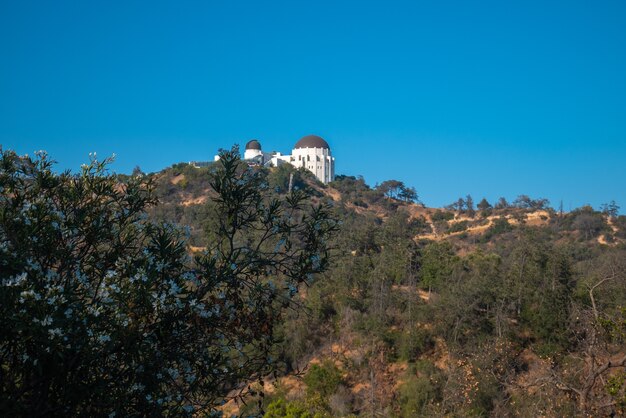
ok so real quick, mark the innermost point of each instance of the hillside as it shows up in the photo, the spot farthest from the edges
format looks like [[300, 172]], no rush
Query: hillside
[[508, 310]]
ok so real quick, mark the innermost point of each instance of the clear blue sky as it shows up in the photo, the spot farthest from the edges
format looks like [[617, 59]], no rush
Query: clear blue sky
[[492, 98]]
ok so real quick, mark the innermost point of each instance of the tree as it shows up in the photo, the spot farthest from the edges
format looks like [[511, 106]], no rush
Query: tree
[[469, 204], [610, 209], [588, 222], [541, 203], [102, 311], [391, 188], [408, 194], [501, 204], [522, 201], [137, 172], [437, 263], [483, 204], [460, 205], [596, 376], [279, 178], [485, 207], [525, 202]]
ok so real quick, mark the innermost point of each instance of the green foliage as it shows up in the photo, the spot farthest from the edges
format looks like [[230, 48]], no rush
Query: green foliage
[[501, 204], [610, 209], [525, 202], [441, 215], [438, 260], [414, 343], [422, 386], [323, 379], [278, 178], [485, 208], [490, 306], [281, 408], [458, 227], [391, 188], [616, 388], [586, 221], [104, 313], [354, 189], [500, 226], [615, 326], [484, 205], [350, 185]]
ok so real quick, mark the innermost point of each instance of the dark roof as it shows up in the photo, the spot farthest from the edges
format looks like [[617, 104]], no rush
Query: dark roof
[[311, 141], [254, 144]]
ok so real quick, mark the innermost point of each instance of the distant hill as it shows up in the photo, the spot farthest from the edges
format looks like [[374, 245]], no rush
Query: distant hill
[[497, 310], [183, 190]]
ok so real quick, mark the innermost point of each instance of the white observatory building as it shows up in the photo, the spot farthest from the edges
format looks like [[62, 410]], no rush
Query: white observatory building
[[310, 152], [253, 150]]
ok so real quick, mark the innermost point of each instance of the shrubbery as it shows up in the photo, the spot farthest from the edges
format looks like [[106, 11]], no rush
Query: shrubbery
[[103, 312]]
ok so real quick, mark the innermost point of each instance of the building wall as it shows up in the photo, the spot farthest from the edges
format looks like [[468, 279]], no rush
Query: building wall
[[251, 153], [319, 161], [280, 159]]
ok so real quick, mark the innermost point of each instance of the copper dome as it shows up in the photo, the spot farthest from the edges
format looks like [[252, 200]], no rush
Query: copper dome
[[311, 141], [254, 144]]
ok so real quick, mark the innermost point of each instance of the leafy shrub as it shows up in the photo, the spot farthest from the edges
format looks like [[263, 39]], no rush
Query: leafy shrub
[[278, 178], [440, 215], [323, 379], [458, 227], [415, 343], [423, 385], [103, 313], [281, 408], [499, 227]]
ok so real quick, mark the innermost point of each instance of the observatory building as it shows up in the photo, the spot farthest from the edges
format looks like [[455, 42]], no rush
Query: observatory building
[[310, 152]]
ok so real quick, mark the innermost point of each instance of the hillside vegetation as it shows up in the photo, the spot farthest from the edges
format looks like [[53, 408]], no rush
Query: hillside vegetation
[[470, 310], [239, 290]]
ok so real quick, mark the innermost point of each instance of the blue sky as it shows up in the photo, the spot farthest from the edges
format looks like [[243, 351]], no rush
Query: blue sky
[[452, 97]]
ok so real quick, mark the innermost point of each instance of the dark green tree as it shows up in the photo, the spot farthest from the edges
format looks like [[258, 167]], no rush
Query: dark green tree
[[483, 205], [501, 204], [408, 195], [460, 205], [137, 172], [104, 314], [391, 188], [610, 209], [438, 261], [469, 204]]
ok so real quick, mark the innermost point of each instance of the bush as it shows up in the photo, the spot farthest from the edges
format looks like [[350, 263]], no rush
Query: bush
[[280, 408], [441, 215], [323, 379], [102, 311], [499, 227], [458, 227], [413, 344], [422, 385]]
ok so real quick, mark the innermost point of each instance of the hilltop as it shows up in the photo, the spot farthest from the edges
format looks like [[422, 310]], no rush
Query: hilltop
[[183, 190], [503, 310]]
